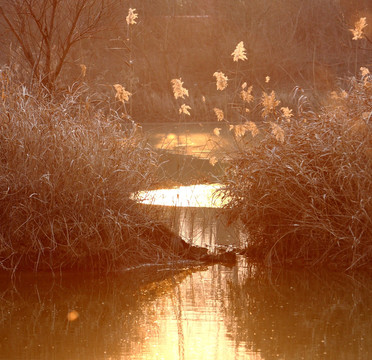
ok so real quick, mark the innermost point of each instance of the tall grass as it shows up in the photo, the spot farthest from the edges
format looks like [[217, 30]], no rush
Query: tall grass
[[304, 193], [67, 174]]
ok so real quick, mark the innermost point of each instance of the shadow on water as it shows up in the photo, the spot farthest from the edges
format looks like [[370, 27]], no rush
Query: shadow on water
[[214, 312]]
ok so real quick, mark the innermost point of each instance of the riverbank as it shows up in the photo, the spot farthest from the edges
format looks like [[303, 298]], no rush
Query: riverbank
[[70, 174], [68, 177]]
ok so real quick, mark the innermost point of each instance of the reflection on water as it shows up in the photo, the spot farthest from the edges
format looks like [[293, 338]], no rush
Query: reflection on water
[[197, 139], [191, 322], [190, 152], [213, 312], [205, 227], [292, 315], [194, 212], [196, 144]]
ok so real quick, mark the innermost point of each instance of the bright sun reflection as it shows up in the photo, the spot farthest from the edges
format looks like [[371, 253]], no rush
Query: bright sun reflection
[[184, 196], [188, 321]]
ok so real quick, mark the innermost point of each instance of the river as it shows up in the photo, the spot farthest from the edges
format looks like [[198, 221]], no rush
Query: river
[[171, 312], [209, 312], [181, 312]]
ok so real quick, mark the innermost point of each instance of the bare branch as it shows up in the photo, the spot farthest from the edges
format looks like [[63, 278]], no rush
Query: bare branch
[[26, 50], [47, 30]]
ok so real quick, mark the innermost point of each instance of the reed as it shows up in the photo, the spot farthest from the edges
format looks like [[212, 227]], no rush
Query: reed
[[304, 191], [67, 174]]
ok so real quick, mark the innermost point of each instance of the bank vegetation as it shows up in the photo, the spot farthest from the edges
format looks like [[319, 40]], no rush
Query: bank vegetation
[[304, 191], [67, 173]]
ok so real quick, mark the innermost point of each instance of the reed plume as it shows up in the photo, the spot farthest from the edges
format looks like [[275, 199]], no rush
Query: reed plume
[[219, 114], [121, 94], [269, 103], [364, 71], [178, 90], [287, 113], [131, 17], [358, 28], [184, 109], [277, 131], [246, 95], [221, 80], [239, 53]]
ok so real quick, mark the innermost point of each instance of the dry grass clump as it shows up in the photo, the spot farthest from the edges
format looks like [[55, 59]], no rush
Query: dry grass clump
[[305, 197], [66, 177]]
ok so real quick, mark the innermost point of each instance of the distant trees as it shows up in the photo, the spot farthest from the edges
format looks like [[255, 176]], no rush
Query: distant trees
[[42, 32]]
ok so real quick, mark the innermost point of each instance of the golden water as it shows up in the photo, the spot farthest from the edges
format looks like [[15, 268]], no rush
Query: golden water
[[173, 313], [212, 312]]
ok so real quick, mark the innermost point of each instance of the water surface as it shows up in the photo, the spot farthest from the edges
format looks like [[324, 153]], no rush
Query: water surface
[[214, 312], [188, 312]]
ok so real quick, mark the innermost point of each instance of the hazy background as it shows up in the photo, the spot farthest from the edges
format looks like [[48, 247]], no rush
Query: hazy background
[[304, 43]]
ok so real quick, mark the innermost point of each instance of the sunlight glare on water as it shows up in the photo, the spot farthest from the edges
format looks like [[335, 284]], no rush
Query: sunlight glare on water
[[203, 195], [190, 322]]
